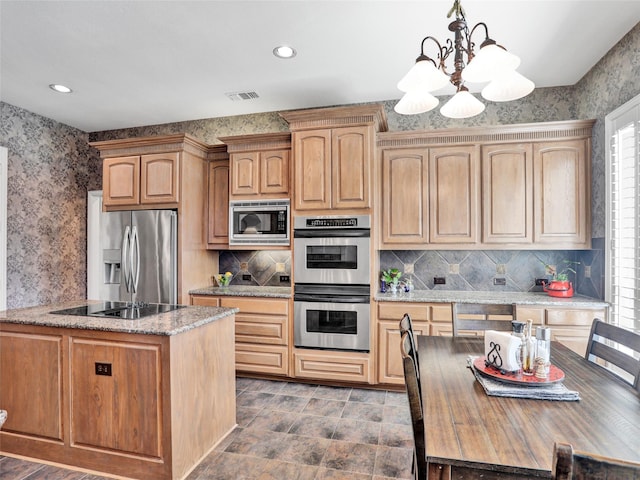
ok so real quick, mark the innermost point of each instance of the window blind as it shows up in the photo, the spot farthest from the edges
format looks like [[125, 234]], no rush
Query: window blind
[[622, 129]]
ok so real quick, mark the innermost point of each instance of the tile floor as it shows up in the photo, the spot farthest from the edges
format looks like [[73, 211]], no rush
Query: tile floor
[[293, 431]]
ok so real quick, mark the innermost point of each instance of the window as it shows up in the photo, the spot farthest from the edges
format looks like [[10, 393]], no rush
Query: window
[[622, 130]]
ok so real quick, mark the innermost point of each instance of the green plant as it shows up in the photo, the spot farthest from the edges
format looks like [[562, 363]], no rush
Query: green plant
[[391, 275], [562, 274]]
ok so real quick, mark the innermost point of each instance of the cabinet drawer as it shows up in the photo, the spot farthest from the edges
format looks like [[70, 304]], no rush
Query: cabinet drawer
[[575, 338], [261, 359], [264, 306], [534, 313], [261, 329], [571, 317], [205, 300], [332, 366], [395, 311]]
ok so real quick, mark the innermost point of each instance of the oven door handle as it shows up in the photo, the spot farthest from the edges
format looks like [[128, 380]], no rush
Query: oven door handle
[[304, 297], [362, 233]]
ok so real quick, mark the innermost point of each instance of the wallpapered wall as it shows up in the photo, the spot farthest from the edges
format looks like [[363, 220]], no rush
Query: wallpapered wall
[[51, 168]]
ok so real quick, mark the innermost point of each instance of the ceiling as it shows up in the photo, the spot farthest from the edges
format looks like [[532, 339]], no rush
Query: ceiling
[[138, 63]]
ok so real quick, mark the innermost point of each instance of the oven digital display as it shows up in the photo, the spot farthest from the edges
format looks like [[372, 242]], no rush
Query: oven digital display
[[332, 321], [332, 222]]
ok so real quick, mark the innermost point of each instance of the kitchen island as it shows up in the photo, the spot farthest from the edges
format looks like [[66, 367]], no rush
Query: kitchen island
[[143, 398]]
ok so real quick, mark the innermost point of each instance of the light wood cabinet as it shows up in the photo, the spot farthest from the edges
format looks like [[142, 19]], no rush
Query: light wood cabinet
[[332, 366], [130, 405], [129, 396], [31, 384], [507, 193], [165, 172], [218, 199], [561, 190], [569, 325], [495, 187], [405, 194], [141, 180], [333, 154], [261, 331], [454, 194], [332, 168], [389, 314], [259, 166]]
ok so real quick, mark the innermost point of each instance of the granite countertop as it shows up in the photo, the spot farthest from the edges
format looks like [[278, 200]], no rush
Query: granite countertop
[[245, 291], [170, 323], [520, 298]]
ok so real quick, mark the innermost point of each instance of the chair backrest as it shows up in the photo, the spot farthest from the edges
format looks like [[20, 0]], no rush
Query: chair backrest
[[571, 465], [485, 310], [406, 325], [411, 377], [602, 346]]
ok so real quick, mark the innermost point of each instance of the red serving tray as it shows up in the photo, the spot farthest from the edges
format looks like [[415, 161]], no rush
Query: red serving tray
[[555, 375]]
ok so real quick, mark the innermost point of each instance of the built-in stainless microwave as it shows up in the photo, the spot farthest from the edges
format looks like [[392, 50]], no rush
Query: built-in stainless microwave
[[259, 222]]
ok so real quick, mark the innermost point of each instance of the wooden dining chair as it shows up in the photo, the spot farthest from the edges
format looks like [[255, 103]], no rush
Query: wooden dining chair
[[406, 325], [411, 378], [601, 349], [571, 465], [460, 310]]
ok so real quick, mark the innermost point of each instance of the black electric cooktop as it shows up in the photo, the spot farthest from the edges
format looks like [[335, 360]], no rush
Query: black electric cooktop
[[119, 310]]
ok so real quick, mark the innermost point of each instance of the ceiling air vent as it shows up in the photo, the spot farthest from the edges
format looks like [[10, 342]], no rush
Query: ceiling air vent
[[237, 96]]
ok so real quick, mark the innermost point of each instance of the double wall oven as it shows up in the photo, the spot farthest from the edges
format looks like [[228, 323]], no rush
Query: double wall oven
[[331, 269]]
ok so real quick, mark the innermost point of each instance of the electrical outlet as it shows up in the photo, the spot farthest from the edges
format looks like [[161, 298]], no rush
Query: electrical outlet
[[439, 280], [103, 369], [587, 271], [499, 281], [284, 278], [541, 281], [246, 277]]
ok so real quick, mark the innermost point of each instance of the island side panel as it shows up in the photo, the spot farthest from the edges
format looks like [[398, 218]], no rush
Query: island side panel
[[203, 390]]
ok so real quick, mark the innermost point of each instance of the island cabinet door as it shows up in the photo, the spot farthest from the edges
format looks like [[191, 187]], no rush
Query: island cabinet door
[[31, 384], [116, 396]]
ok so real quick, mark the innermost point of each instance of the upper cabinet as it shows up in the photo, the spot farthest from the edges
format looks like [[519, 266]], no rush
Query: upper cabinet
[[333, 157], [501, 187], [259, 166], [218, 198]]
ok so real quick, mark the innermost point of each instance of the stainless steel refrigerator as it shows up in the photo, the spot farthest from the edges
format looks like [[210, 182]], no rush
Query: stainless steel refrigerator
[[139, 256]]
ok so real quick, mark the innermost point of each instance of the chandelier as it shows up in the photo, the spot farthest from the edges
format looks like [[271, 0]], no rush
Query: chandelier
[[491, 63]]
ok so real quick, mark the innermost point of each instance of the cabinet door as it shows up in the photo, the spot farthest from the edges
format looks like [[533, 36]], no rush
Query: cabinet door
[[405, 210], [31, 384], [274, 173], [507, 193], [351, 157], [390, 369], [453, 194], [120, 411], [159, 178], [244, 174], [121, 181], [312, 170], [218, 205], [560, 191]]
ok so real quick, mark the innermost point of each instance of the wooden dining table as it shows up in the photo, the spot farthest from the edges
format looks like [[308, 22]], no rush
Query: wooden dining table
[[470, 434]]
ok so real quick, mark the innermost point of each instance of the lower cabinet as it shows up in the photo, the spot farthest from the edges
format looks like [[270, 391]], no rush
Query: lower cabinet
[[261, 331], [424, 317]]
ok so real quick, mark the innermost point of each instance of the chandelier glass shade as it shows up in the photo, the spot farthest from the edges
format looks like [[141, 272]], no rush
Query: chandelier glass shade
[[490, 63]]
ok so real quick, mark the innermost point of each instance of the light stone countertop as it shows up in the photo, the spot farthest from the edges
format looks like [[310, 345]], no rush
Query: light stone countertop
[[520, 298], [245, 291], [170, 323]]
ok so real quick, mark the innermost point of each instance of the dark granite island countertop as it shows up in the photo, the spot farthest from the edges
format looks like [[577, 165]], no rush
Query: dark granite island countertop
[[170, 323]]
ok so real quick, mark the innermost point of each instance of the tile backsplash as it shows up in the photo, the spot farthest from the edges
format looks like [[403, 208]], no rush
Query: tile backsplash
[[264, 267], [475, 270]]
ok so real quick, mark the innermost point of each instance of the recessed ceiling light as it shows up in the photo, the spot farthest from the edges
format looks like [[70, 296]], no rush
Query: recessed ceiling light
[[283, 51], [60, 88]]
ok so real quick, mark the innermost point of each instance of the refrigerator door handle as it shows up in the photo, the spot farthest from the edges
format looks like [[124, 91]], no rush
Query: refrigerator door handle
[[135, 253], [126, 264]]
